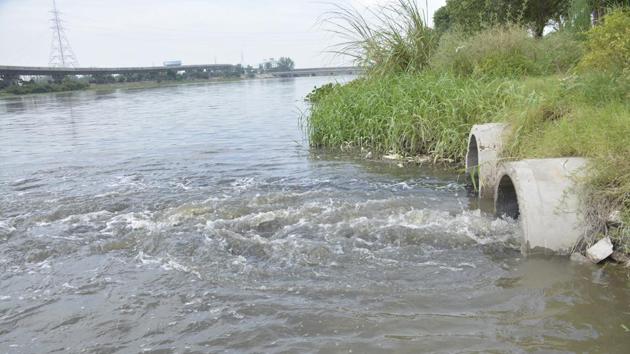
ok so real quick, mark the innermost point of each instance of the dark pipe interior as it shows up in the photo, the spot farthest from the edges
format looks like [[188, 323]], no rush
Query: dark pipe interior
[[507, 200], [472, 161]]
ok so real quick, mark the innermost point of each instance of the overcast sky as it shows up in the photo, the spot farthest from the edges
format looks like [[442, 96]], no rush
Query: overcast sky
[[148, 32]]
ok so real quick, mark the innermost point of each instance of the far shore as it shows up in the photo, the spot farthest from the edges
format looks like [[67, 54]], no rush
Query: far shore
[[147, 85], [132, 86]]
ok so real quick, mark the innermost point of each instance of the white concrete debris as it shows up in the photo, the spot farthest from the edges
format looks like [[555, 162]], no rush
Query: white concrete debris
[[392, 157], [484, 146], [600, 251]]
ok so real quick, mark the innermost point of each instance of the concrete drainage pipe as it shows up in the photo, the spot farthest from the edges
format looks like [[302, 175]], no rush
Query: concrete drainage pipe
[[484, 146], [543, 196]]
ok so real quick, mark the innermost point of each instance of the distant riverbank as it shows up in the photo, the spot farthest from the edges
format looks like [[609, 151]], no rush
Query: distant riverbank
[[69, 81], [155, 84], [77, 85], [82, 86]]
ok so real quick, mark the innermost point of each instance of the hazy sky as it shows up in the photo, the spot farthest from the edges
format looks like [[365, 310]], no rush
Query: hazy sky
[[148, 32]]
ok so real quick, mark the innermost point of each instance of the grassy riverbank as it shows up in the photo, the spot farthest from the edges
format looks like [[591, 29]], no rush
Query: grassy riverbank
[[567, 94]]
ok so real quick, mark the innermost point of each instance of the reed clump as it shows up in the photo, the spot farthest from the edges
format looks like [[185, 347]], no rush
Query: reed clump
[[394, 39], [565, 94], [409, 114]]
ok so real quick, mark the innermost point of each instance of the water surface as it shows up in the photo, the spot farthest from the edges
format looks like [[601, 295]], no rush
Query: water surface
[[194, 219]]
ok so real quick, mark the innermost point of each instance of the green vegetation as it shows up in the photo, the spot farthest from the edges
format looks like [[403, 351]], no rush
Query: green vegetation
[[506, 51], [535, 15], [478, 14], [565, 94], [398, 41], [133, 85], [426, 113], [286, 64], [29, 87], [609, 45], [282, 64]]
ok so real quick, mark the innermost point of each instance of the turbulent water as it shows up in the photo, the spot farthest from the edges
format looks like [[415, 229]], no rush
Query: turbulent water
[[194, 219]]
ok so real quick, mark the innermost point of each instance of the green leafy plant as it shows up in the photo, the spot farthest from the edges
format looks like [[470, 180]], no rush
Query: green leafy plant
[[608, 45]]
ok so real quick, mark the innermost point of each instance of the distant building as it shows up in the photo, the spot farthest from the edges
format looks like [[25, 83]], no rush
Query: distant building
[[173, 63]]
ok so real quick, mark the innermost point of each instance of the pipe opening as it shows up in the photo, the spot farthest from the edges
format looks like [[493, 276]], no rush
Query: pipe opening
[[507, 200], [472, 162]]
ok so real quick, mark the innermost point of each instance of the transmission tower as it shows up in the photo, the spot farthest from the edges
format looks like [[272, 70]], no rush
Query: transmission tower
[[61, 54]]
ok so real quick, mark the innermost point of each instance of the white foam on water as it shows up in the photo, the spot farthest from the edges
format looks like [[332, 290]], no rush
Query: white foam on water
[[107, 194], [280, 230], [430, 264], [244, 183], [66, 238], [239, 260], [452, 269], [146, 259], [171, 264], [6, 227], [168, 263], [472, 224], [86, 218], [132, 181], [466, 264], [134, 221], [183, 186], [404, 185]]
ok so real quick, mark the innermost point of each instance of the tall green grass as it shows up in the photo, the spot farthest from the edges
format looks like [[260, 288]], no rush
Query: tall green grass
[[427, 113], [393, 38], [506, 51]]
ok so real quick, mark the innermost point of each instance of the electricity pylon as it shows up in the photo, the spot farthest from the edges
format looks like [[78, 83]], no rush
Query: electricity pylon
[[61, 54]]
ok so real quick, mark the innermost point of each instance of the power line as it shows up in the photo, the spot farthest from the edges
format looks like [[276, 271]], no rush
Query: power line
[[61, 54]]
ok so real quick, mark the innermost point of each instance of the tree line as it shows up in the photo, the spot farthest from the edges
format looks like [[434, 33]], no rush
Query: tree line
[[474, 15]]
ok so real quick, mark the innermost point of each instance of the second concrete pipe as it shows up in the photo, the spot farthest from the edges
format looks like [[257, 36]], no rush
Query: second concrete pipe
[[541, 193]]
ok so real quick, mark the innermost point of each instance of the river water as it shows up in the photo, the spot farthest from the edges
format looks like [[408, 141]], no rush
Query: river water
[[195, 219]]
